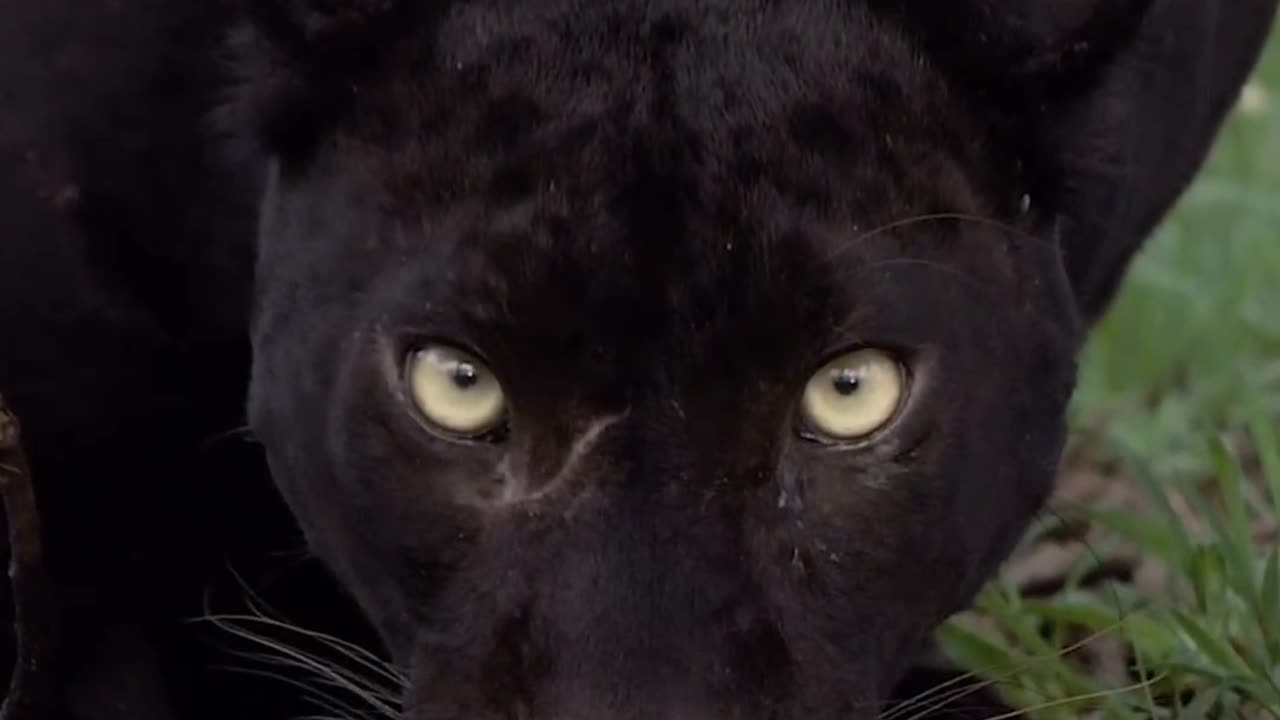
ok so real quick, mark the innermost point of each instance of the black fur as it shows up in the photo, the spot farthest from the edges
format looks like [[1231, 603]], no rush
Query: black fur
[[654, 217]]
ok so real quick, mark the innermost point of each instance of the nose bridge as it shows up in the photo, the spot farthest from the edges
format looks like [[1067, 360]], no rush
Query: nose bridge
[[555, 463], [661, 611], [638, 586], [580, 448], [649, 603], [653, 509], [707, 444], [702, 429]]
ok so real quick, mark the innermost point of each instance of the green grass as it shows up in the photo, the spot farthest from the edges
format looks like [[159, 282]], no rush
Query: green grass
[[1180, 396]]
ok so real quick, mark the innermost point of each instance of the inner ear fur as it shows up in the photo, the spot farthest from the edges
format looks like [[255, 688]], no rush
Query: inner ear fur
[[325, 32], [297, 65], [1018, 53], [1025, 66]]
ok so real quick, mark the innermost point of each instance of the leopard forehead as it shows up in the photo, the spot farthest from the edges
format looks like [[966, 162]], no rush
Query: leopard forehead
[[730, 107], [678, 137]]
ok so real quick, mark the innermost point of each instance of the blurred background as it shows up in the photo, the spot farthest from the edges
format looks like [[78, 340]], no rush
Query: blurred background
[[1152, 588]]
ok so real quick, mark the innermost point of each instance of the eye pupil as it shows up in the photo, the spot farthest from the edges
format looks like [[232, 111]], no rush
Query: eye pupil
[[846, 382], [464, 375]]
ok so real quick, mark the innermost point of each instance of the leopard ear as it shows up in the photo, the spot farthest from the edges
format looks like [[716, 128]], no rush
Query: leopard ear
[[1076, 61], [296, 66], [325, 31], [1016, 52]]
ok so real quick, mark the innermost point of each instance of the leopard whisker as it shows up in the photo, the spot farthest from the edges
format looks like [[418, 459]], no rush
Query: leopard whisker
[[947, 692], [1083, 697], [377, 698], [324, 700]]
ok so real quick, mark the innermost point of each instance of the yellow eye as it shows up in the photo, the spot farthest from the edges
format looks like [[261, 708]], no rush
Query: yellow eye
[[456, 391], [854, 394]]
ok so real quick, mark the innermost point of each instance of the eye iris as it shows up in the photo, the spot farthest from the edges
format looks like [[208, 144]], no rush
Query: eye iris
[[853, 395], [454, 391]]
